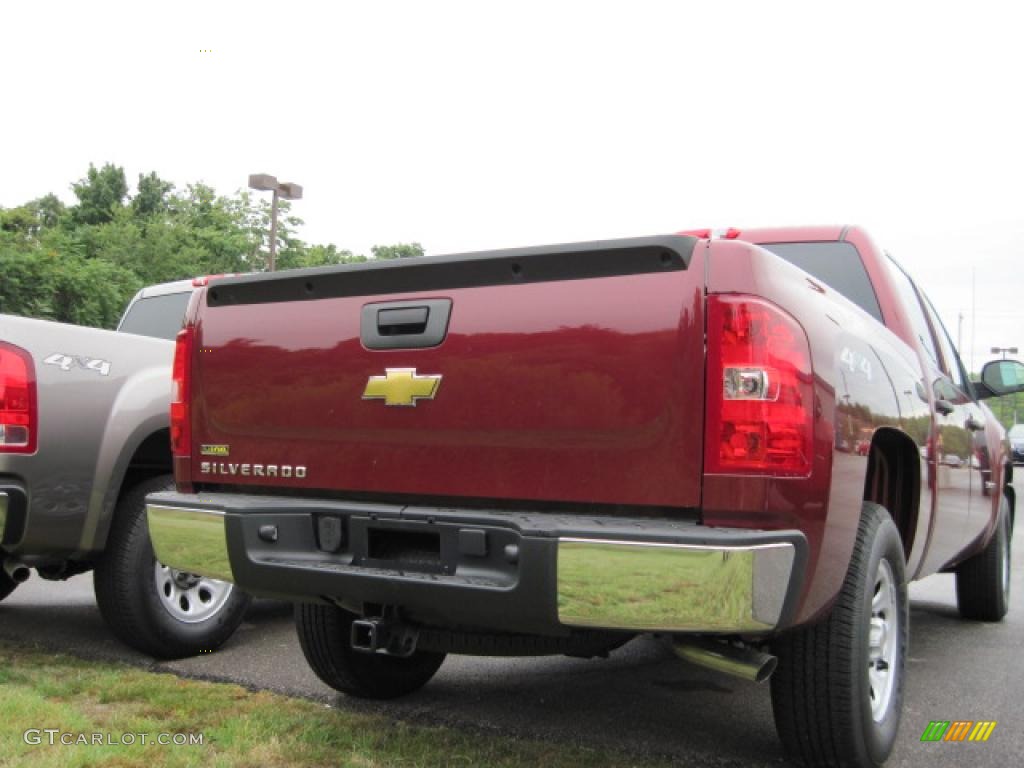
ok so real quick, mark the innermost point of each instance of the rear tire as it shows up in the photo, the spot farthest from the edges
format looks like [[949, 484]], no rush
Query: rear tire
[[325, 633], [127, 579], [983, 582], [838, 691]]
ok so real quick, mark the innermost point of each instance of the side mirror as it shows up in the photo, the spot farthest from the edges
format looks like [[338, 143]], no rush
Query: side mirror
[[1002, 377]]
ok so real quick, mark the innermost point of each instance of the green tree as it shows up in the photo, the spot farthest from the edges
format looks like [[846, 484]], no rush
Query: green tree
[[82, 264], [49, 211], [1008, 408], [92, 292], [316, 256], [68, 289], [398, 251], [19, 225], [99, 194], [152, 195], [223, 231], [27, 284]]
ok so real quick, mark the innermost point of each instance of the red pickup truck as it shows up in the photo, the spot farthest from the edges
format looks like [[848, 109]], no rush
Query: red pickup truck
[[551, 450]]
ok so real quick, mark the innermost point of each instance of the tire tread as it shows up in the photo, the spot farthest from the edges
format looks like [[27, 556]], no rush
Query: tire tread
[[324, 635], [812, 690], [118, 578], [979, 588]]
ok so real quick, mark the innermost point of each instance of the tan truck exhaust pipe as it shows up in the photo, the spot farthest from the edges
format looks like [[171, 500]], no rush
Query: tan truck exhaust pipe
[[17, 571]]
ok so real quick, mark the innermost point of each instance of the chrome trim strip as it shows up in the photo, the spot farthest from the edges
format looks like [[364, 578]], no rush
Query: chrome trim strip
[[670, 545], [192, 540], [664, 587]]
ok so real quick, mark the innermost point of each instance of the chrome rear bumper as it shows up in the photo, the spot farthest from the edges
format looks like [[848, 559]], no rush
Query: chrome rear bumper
[[190, 540], [672, 587], [520, 572]]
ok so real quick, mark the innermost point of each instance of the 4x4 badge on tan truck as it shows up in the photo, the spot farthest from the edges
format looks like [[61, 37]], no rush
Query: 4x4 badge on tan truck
[[401, 386]]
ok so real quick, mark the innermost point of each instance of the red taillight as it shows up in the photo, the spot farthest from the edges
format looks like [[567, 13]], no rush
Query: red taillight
[[18, 422], [759, 391], [181, 424]]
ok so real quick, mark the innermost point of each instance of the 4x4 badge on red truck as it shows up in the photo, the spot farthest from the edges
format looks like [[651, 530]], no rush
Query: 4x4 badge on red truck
[[401, 386]]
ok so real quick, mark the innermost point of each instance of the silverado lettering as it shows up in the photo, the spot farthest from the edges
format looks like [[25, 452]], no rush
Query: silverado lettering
[[256, 470]]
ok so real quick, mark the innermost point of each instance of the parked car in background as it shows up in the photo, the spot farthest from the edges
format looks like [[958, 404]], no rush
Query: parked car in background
[[1016, 438], [553, 449], [84, 437]]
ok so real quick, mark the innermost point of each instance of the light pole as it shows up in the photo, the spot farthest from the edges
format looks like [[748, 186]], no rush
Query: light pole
[[287, 190], [1004, 350]]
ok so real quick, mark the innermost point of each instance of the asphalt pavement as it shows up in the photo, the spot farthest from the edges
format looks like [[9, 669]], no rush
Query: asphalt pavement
[[641, 700]]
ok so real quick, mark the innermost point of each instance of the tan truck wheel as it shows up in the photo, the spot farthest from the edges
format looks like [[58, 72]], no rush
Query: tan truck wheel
[[154, 609]]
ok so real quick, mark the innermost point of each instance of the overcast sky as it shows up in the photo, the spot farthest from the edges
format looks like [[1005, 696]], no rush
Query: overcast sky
[[474, 125]]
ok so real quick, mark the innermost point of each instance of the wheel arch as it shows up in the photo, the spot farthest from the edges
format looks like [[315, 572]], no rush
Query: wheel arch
[[139, 411], [146, 454], [893, 480]]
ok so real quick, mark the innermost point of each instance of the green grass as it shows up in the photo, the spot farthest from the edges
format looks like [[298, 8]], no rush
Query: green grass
[[239, 727]]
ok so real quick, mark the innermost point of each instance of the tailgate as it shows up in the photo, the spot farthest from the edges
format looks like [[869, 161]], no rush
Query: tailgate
[[561, 374]]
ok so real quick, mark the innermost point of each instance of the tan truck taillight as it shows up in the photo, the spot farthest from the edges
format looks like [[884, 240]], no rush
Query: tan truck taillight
[[181, 424], [18, 417], [759, 390]]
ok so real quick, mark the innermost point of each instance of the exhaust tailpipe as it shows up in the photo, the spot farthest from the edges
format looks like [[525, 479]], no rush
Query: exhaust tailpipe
[[16, 571], [743, 662]]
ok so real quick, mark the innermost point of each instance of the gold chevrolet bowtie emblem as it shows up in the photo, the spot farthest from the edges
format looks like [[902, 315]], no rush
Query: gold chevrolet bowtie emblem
[[401, 386]]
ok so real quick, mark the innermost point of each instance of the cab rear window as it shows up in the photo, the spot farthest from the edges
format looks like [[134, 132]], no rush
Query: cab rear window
[[836, 264], [157, 316]]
